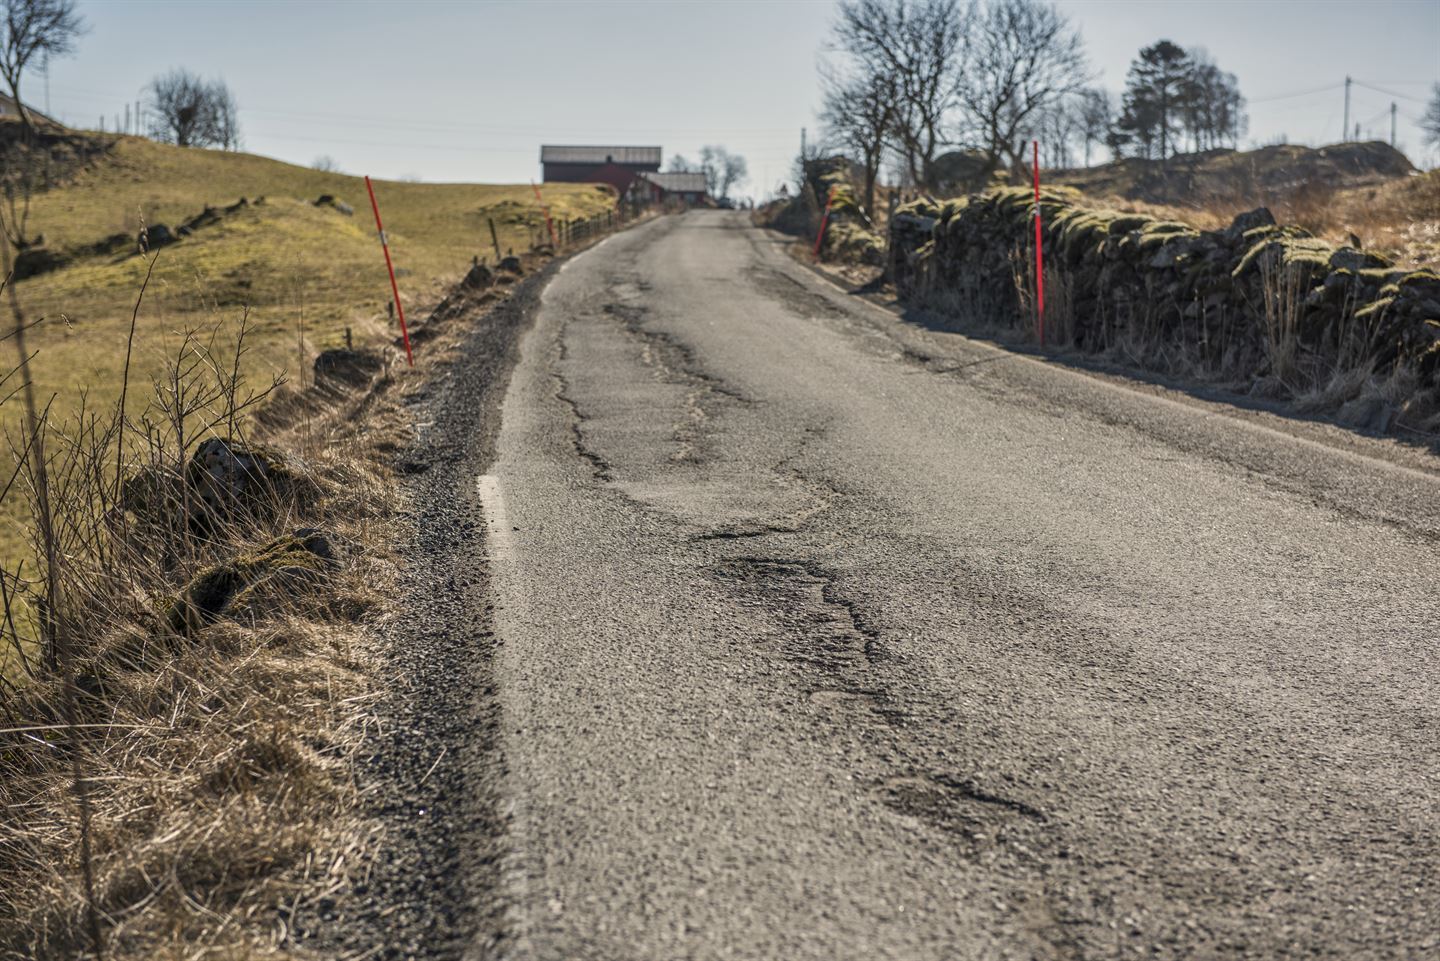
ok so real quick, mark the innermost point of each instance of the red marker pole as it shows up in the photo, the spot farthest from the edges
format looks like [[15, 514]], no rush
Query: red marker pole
[[829, 199], [1039, 254], [549, 224], [394, 288]]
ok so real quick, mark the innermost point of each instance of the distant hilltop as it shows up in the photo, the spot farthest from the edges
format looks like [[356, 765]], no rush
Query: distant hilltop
[[1218, 175]]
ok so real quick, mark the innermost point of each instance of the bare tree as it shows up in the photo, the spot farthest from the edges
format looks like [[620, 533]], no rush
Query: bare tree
[[227, 116], [918, 45], [190, 111], [47, 28], [325, 164], [1025, 55], [858, 113], [1430, 123], [1056, 127], [723, 170], [1095, 113]]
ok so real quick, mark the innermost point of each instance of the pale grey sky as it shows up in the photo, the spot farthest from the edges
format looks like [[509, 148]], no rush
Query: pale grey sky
[[455, 90]]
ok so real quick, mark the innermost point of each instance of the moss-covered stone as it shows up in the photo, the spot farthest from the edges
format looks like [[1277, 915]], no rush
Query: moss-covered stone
[[292, 559], [1374, 309], [1128, 222], [851, 243]]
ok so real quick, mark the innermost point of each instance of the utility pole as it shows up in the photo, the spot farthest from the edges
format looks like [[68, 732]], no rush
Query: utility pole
[[1392, 124], [803, 155], [1345, 130]]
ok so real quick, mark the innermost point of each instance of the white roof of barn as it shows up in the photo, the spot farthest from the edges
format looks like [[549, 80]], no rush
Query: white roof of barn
[[677, 182], [599, 155]]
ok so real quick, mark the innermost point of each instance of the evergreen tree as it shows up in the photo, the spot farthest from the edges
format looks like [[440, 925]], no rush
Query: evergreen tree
[[1156, 89], [1172, 94]]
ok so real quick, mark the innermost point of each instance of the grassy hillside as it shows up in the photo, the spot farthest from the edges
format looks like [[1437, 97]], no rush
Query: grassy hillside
[[287, 260]]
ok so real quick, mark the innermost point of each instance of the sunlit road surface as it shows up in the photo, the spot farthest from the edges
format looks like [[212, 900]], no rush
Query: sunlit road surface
[[823, 635]]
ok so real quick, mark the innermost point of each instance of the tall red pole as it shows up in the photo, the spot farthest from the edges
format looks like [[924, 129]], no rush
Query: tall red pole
[[550, 224], [1039, 254], [394, 288]]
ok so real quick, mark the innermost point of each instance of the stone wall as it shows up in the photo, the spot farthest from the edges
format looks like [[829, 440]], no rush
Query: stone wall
[[1268, 306]]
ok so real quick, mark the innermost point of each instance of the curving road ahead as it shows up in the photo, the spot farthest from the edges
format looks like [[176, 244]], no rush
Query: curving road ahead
[[825, 635]]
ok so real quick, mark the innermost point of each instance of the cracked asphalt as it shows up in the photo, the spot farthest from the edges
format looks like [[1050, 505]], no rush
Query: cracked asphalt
[[821, 634]]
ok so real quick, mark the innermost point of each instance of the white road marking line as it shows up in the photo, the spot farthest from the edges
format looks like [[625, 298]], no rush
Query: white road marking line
[[499, 542]]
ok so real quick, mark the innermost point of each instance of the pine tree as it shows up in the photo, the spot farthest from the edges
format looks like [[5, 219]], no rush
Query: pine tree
[[1155, 95]]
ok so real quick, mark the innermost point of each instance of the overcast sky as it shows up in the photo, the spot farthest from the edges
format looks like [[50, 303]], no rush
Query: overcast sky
[[450, 91]]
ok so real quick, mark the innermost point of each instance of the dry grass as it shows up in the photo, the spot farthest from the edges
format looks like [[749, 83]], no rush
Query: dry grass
[[1399, 219], [216, 760]]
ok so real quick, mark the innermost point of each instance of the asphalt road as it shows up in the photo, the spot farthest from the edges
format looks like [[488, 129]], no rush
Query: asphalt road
[[824, 635]]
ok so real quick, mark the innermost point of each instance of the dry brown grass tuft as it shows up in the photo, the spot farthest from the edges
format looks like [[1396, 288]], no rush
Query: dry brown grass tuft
[[217, 761], [220, 789]]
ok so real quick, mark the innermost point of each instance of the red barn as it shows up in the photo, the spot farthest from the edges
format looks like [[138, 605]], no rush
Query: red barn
[[616, 166]]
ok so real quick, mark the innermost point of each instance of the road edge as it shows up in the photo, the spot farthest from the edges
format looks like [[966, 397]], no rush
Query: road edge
[[435, 891]]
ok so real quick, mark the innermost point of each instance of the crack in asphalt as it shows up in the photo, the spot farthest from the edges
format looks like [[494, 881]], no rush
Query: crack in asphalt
[[675, 362], [671, 355], [827, 633], [826, 630], [599, 466]]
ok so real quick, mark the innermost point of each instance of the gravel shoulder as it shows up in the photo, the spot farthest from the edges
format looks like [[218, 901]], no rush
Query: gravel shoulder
[[435, 763]]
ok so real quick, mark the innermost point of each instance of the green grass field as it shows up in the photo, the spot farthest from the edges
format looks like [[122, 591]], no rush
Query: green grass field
[[286, 260]]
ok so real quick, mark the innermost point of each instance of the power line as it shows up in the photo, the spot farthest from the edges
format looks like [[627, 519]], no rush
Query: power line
[[1388, 93], [1299, 93], [1379, 116]]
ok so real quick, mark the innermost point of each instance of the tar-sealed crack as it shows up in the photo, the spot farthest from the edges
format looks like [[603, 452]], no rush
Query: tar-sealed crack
[[675, 362], [846, 674], [842, 657], [599, 466], [672, 357]]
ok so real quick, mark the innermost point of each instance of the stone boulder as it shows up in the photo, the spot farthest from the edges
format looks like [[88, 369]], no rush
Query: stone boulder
[[1249, 220], [348, 365], [252, 581], [155, 236], [226, 477], [34, 261], [340, 206], [479, 277]]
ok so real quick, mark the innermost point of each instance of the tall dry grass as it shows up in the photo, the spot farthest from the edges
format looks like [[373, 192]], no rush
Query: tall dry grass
[[176, 784]]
